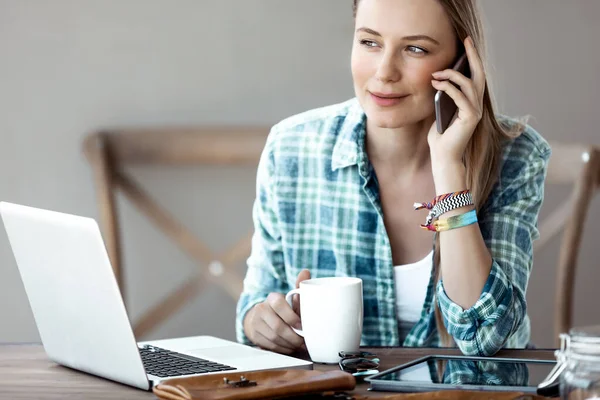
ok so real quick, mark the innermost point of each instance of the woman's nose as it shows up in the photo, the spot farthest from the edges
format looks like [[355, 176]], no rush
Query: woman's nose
[[387, 70]]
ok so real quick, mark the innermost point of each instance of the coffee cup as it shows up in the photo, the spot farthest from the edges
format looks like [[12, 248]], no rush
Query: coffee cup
[[331, 311]]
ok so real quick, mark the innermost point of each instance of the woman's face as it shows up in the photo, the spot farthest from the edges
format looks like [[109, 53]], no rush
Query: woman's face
[[398, 44]]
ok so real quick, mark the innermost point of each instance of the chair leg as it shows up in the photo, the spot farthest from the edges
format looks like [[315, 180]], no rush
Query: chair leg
[[104, 167], [569, 250]]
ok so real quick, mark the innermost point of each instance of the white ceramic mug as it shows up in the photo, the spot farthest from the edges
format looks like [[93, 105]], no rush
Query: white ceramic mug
[[332, 316]]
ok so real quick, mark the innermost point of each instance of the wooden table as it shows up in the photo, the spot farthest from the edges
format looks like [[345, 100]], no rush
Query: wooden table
[[26, 373]]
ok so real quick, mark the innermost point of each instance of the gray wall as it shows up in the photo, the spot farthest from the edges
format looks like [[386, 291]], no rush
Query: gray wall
[[71, 67]]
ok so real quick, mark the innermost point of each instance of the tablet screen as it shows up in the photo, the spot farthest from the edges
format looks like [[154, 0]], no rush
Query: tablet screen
[[471, 372]]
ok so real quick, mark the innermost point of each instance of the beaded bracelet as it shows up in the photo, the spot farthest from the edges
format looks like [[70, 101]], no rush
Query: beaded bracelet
[[458, 221]]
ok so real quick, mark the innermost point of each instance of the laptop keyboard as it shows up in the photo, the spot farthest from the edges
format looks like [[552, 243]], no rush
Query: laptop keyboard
[[161, 362]]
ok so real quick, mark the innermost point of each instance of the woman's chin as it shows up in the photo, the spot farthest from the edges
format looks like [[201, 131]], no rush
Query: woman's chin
[[394, 119], [388, 121]]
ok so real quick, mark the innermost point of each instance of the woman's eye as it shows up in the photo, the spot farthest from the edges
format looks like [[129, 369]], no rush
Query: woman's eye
[[416, 50], [368, 43]]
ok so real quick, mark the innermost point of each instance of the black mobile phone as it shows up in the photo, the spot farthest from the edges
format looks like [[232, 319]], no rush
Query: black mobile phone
[[445, 107]]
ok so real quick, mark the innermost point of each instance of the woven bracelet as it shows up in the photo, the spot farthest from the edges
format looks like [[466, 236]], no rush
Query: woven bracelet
[[444, 203], [458, 221]]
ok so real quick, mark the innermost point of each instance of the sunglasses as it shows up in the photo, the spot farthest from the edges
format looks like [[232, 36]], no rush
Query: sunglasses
[[358, 363]]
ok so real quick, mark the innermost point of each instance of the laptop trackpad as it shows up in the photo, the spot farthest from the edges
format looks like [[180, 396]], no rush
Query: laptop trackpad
[[227, 352]]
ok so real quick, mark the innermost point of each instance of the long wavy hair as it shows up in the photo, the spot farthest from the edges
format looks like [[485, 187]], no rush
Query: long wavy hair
[[483, 153]]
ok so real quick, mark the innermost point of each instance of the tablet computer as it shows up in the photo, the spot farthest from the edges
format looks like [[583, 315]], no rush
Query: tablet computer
[[437, 372]]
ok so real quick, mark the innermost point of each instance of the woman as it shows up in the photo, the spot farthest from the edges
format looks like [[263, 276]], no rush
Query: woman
[[337, 186]]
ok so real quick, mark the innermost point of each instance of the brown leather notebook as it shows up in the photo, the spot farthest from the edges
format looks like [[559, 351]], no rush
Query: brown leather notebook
[[299, 384], [254, 385]]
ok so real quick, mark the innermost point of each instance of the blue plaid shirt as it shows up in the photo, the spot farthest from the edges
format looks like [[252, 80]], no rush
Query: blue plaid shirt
[[317, 207]]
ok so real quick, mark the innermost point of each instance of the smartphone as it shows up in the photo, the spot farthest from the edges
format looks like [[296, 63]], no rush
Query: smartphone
[[445, 107]]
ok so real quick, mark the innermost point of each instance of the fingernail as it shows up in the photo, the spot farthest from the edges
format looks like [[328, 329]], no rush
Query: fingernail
[[437, 74], [434, 82]]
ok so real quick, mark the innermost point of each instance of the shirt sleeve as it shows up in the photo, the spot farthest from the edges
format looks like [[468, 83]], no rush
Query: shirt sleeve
[[266, 271], [509, 227]]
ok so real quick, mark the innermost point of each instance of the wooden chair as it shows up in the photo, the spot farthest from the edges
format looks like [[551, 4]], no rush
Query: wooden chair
[[110, 151], [578, 165]]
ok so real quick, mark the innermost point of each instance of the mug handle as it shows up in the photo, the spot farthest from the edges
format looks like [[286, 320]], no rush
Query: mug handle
[[288, 298]]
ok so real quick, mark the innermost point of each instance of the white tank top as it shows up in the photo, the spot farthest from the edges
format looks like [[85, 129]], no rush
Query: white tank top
[[411, 289]]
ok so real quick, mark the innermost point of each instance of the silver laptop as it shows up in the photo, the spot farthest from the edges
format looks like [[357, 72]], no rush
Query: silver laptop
[[80, 314]]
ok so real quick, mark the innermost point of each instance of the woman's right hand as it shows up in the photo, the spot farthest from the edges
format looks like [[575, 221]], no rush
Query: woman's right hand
[[268, 324]]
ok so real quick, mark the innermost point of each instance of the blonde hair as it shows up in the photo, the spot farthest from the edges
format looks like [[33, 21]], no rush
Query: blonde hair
[[483, 153]]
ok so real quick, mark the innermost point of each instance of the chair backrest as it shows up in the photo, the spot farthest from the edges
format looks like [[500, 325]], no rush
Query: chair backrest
[[578, 165], [110, 152]]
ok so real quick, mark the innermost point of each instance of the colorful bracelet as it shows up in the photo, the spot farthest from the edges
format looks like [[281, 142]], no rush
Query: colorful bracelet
[[458, 221], [444, 203], [459, 200]]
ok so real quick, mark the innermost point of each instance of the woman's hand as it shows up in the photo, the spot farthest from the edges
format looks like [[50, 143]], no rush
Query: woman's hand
[[447, 149], [268, 324]]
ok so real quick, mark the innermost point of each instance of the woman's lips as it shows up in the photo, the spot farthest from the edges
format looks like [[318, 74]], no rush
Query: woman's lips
[[385, 100]]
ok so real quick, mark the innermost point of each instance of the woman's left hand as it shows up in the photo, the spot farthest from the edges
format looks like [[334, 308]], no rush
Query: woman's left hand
[[449, 147]]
